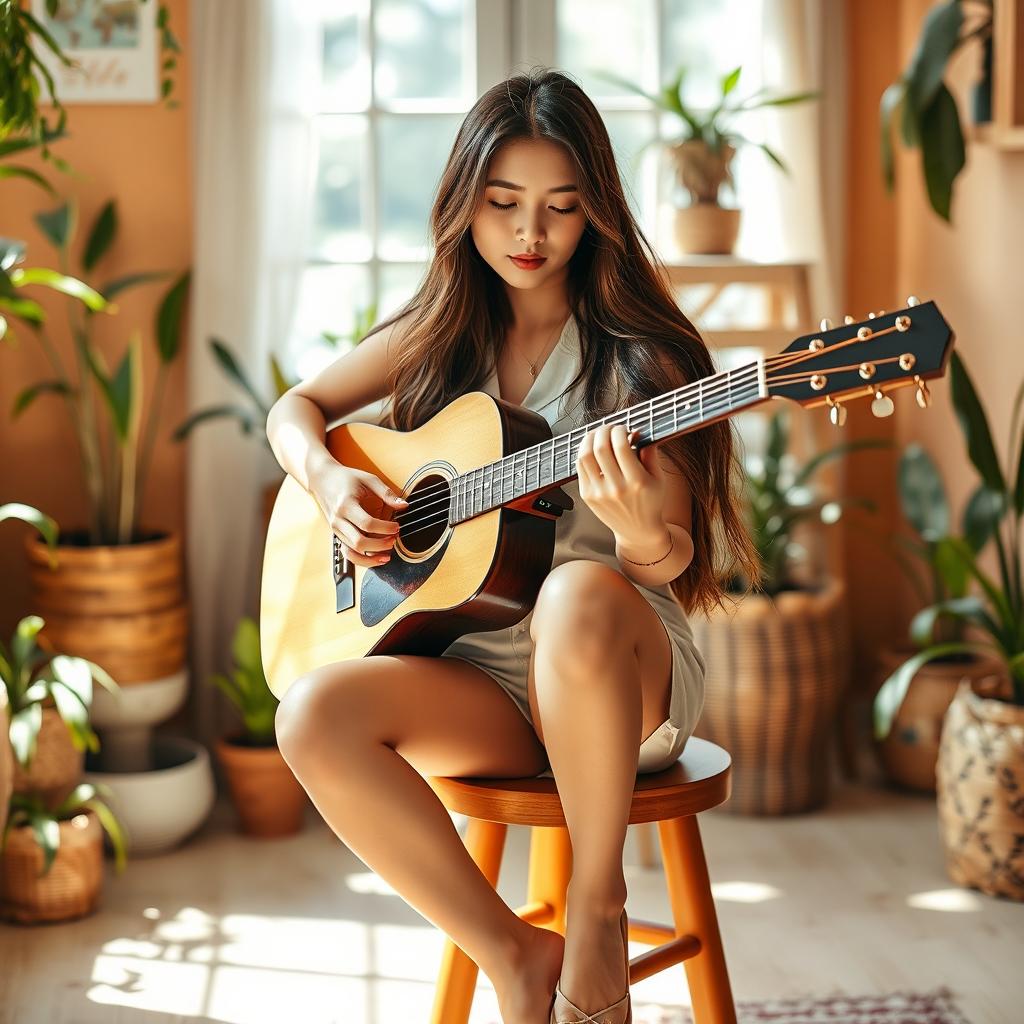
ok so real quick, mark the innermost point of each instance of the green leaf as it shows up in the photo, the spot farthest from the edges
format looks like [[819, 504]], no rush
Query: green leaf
[[730, 80], [942, 149], [24, 643], [982, 514], [281, 384], [922, 626], [246, 420], [61, 283], [950, 567], [891, 100], [30, 175], [28, 395], [120, 284], [786, 101], [812, 464], [47, 833], [922, 494], [57, 225], [23, 731], [168, 321], [46, 525], [101, 236], [774, 157], [234, 371], [974, 424], [935, 45]]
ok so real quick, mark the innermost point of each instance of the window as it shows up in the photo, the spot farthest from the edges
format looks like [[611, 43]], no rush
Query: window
[[398, 77]]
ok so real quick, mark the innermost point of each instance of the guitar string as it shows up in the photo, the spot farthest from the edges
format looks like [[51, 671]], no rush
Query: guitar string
[[657, 407], [432, 519]]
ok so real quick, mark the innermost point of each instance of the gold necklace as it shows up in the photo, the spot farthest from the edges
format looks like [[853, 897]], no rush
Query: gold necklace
[[533, 366]]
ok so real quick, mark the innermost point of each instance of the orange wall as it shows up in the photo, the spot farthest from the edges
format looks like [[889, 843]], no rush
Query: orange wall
[[898, 246], [140, 155]]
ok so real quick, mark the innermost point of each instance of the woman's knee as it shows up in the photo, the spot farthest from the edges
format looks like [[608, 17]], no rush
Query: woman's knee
[[587, 604], [322, 705]]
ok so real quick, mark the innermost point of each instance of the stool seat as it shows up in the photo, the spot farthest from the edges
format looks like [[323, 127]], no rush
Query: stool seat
[[698, 781]]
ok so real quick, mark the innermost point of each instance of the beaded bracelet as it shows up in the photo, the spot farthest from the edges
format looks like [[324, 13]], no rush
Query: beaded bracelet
[[671, 543]]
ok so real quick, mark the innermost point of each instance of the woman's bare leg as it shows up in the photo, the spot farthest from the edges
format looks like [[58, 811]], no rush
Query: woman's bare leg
[[360, 736], [600, 681]]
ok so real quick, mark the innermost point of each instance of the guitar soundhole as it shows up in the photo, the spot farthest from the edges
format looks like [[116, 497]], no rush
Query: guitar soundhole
[[425, 521]]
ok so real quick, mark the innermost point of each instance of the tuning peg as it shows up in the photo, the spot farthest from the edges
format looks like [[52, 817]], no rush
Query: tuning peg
[[836, 412], [826, 324], [848, 320], [923, 396], [882, 405], [913, 300]]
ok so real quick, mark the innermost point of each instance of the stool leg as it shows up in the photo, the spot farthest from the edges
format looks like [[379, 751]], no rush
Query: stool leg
[[693, 911], [456, 981], [550, 870]]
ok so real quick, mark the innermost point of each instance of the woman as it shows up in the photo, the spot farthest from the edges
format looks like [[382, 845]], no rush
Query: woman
[[540, 293]]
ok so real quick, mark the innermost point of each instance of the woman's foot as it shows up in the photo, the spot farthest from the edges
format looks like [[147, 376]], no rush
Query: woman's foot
[[593, 972], [526, 989]]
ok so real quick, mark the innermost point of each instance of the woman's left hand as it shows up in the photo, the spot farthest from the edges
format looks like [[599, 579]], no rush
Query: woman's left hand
[[628, 498]]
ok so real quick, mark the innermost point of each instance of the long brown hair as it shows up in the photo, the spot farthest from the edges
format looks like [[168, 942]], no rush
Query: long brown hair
[[635, 341]]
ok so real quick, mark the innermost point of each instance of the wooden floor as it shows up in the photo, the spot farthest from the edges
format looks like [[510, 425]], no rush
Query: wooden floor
[[853, 900]]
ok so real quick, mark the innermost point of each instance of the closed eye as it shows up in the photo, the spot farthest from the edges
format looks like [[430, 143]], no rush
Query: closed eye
[[508, 206]]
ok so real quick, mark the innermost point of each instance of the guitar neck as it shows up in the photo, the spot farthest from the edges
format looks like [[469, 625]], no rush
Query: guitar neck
[[553, 462]]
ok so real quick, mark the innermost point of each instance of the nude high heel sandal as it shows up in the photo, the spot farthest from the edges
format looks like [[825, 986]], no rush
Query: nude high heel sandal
[[620, 1012]]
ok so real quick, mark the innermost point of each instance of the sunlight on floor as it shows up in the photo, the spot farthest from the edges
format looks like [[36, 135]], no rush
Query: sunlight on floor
[[957, 900]]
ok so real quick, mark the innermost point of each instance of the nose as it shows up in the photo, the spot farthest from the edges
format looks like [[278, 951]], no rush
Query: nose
[[531, 230]]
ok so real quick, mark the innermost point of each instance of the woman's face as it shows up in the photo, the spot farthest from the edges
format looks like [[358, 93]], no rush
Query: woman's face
[[529, 205]]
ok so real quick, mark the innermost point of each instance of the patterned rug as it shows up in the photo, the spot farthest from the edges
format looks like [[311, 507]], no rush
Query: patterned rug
[[937, 1007]]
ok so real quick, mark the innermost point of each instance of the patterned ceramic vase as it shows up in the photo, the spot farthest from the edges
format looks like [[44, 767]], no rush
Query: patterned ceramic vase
[[980, 787]]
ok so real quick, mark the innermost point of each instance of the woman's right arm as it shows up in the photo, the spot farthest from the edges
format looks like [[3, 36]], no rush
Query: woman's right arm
[[297, 429]]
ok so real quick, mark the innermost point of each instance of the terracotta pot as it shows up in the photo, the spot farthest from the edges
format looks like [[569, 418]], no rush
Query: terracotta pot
[[6, 760], [706, 228], [121, 606], [56, 767], [73, 885], [980, 779], [775, 672], [269, 799], [909, 753]]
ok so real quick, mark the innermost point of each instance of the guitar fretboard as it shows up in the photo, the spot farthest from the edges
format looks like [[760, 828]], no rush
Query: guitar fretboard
[[553, 462]]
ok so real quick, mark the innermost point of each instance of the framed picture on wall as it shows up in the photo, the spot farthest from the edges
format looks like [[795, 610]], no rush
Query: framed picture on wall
[[113, 45]]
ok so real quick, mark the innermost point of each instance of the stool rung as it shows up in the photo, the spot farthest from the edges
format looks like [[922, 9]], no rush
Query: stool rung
[[661, 957]]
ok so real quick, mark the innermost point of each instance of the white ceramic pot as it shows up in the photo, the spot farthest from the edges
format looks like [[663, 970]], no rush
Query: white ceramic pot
[[159, 809]]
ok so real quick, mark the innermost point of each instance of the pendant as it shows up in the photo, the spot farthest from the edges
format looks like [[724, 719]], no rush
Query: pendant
[[533, 371]]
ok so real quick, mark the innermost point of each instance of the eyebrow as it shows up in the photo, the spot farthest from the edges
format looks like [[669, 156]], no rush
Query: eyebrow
[[519, 188]]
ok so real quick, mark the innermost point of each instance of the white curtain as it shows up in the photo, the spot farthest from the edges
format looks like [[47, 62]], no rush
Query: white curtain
[[255, 77], [803, 49]]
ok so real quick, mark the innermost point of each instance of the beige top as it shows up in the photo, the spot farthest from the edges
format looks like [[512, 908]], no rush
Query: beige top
[[579, 533]]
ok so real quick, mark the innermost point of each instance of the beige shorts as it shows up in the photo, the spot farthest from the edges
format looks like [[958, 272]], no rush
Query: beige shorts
[[504, 654]]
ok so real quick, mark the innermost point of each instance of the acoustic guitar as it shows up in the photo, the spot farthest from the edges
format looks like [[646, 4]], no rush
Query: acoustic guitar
[[483, 481]]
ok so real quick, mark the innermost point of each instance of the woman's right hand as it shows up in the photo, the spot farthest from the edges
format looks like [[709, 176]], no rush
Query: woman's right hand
[[344, 495]]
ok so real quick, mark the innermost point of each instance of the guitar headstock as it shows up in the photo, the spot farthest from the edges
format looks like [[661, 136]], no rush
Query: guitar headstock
[[864, 359]]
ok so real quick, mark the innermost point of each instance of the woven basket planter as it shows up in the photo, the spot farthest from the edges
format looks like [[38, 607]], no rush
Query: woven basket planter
[[73, 885], [121, 606], [980, 782], [56, 766], [775, 672]]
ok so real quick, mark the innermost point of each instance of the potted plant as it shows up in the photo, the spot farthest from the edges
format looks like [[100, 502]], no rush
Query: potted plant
[[909, 751], [980, 769], [776, 662], [253, 417], [927, 112], [265, 792], [51, 859], [702, 155]]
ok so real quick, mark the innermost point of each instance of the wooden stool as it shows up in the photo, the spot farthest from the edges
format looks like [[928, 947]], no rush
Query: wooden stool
[[699, 780]]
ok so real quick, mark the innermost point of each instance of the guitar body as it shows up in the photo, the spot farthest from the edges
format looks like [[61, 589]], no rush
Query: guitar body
[[441, 581]]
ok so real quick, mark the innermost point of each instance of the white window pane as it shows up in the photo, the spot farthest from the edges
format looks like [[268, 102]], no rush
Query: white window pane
[[345, 79], [421, 48], [328, 301], [629, 132], [413, 150], [693, 36], [398, 284], [611, 36], [340, 231]]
